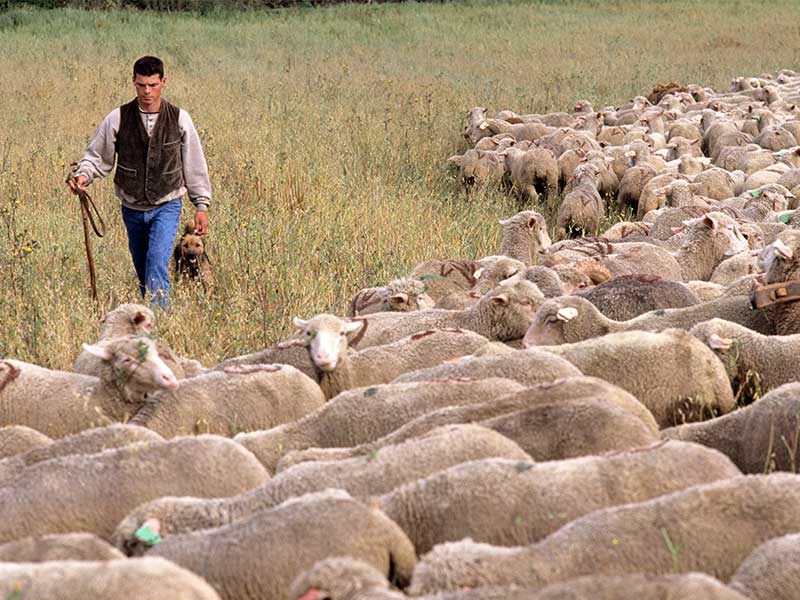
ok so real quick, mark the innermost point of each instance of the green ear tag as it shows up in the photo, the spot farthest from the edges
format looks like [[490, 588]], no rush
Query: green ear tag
[[785, 219], [431, 277], [755, 193], [146, 535]]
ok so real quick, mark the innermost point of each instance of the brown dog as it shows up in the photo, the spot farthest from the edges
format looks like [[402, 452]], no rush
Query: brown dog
[[190, 258]]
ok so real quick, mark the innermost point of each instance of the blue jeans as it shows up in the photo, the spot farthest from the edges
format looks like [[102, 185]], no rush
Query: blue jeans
[[151, 235]]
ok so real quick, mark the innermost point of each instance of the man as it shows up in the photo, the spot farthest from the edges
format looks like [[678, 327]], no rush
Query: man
[[159, 159]]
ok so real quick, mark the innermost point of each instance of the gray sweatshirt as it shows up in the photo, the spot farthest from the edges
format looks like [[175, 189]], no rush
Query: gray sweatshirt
[[98, 161]]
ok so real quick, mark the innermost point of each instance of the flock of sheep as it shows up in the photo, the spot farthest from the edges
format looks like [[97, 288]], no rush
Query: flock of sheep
[[607, 416]]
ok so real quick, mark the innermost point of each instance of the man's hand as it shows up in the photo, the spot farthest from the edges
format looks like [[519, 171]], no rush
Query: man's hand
[[77, 184], [200, 222]]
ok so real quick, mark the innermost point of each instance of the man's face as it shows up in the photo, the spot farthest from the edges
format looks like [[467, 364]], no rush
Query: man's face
[[148, 90]]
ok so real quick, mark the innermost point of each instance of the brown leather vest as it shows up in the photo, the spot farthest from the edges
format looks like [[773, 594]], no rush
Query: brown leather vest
[[148, 168]]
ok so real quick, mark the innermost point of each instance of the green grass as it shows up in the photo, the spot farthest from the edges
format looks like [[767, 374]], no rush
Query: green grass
[[326, 132]]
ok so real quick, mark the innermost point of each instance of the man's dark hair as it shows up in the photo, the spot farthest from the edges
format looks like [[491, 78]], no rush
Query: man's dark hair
[[148, 66]]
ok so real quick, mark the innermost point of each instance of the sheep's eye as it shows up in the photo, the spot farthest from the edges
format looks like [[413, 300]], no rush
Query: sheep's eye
[[550, 320]]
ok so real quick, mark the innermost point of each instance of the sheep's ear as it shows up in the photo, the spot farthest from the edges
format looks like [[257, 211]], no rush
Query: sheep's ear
[[456, 159], [504, 222], [716, 342], [483, 126], [532, 222], [299, 323], [500, 300], [399, 298], [711, 222], [353, 326], [782, 250], [567, 313], [139, 318], [676, 230], [99, 351], [693, 142]]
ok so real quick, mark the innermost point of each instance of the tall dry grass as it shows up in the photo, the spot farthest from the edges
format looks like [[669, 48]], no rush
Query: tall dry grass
[[326, 133]]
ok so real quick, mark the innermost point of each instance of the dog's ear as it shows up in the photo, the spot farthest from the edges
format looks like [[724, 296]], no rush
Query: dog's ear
[[189, 227]]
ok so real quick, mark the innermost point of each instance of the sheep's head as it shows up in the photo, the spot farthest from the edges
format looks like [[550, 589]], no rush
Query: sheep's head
[[136, 369], [492, 271], [725, 339], [545, 278], [405, 295], [476, 168], [472, 125], [338, 579], [723, 229], [753, 234], [510, 308], [128, 319], [526, 224], [562, 321], [325, 336], [780, 259]]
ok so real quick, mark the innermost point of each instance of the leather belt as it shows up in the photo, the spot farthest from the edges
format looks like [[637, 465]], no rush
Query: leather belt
[[775, 293]]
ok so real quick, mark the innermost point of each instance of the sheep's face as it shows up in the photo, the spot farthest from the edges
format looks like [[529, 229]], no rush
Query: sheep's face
[[472, 125], [495, 272], [136, 365], [538, 228], [753, 234], [404, 302], [728, 238], [511, 308], [534, 226], [736, 241], [554, 324], [129, 319], [572, 279], [726, 347], [479, 168], [325, 337], [780, 259], [406, 295]]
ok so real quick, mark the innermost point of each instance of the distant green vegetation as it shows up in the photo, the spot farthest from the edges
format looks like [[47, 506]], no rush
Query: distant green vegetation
[[326, 131]]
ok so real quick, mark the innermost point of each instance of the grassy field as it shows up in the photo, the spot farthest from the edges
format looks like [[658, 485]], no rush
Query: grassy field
[[326, 132]]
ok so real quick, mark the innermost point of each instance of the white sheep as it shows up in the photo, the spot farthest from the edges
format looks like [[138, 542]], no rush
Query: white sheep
[[150, 578], [502, 314], [58, 403]]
